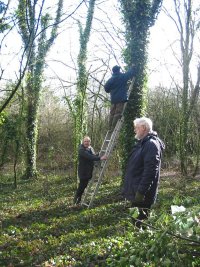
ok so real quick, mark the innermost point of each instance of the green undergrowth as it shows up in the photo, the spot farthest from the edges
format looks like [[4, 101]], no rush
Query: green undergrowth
[[41, 227]]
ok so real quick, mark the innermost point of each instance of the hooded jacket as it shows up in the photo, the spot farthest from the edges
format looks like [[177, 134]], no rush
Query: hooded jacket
[[143, 169]]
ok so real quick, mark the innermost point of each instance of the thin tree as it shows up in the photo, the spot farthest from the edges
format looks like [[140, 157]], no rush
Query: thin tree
[[32, 24], [79, 105], [186, 20], [6, 28]]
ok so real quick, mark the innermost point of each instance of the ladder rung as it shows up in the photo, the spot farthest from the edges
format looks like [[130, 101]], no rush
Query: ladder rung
[[90, 193], [85, 204]]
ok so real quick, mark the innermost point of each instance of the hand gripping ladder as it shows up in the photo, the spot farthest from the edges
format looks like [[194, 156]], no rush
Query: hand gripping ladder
[[107, 148]]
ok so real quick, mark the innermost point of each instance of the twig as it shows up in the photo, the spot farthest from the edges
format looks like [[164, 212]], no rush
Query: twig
[[167, 232]]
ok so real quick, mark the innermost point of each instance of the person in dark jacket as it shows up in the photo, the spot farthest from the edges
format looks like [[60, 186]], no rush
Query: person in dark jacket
[[117, 87], [143, 169], [86, 158]]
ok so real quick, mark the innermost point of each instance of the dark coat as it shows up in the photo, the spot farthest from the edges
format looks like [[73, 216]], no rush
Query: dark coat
[[117, 86], [143, 169], [86, 158]]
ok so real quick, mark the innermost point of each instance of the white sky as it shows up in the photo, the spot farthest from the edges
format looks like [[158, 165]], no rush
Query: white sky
[[102, 49], [162, 65], [164, 49]]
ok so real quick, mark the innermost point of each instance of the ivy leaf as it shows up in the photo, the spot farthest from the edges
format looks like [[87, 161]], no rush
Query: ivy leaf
[[134, 212]]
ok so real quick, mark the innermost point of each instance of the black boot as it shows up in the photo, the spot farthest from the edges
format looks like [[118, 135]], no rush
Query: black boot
[[77, 200], [143, 215]]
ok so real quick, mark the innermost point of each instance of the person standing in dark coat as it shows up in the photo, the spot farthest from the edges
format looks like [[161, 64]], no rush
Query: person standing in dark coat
[[118, 88], [86, 158], [143, 169]]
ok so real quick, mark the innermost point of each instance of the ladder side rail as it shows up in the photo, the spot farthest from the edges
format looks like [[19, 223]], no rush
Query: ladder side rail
[[104, 142], [105, 163], [98, 183], [128, 94], [107, 139], [97, 172], [92, 181], [101, 150], [94, 177], [114, 137], [98, 166], [116, 131], [88, 190], [102, 167], [111, 144], [99, 180]]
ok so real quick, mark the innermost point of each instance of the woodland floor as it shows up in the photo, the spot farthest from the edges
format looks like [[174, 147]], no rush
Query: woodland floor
[[41, 227]]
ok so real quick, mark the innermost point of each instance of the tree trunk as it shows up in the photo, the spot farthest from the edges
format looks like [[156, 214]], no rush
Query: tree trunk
[[32, 133], [138, 16], [29, 25], [80, 107]]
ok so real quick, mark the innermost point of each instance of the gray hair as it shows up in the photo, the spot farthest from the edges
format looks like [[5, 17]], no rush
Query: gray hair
[[86, 137], [144, 122]]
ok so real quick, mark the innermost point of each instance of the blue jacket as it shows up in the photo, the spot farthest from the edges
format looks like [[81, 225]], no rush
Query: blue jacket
[[143, 169], [117, 86]]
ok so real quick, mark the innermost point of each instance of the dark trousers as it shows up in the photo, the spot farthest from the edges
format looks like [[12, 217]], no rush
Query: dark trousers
[[81, 187], [80, 190], [116, 111]]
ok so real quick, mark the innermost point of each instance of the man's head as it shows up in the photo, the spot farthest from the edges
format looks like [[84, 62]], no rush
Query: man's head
[[142, 126], [116, 69], [86, 141]]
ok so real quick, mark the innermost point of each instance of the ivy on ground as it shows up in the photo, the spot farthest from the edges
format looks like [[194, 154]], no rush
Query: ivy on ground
[[41, 227]]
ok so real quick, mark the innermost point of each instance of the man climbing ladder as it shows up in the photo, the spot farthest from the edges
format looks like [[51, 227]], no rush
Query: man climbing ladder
[[118, 88]]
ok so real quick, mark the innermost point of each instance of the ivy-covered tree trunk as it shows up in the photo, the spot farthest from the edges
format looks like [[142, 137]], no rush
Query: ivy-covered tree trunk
[[33, 29], [32, 126], [138, 17], [80, 103]]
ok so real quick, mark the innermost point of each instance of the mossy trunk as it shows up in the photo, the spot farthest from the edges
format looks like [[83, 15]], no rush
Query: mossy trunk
[[138, 17], [32, 128], [80, 107], [34, 30]]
